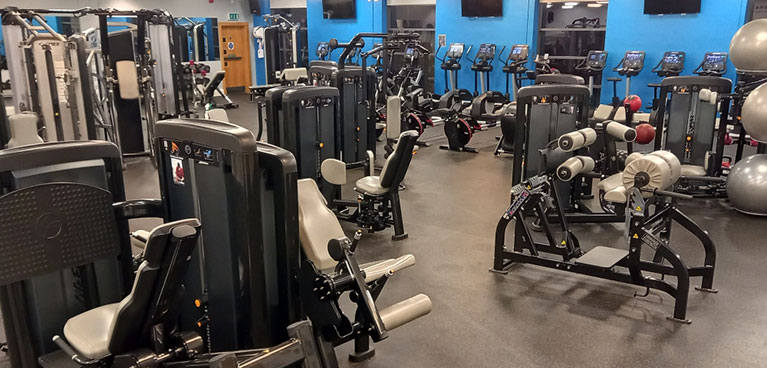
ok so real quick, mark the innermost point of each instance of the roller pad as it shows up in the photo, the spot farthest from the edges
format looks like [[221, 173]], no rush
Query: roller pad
[[405, 311], [577, 139], [620, 131], [574, 166]]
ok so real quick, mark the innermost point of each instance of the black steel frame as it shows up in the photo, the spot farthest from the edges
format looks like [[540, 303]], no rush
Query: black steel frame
[[646, 228]]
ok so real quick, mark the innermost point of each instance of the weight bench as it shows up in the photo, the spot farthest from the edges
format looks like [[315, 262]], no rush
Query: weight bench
[[331, 266], [210, 89]]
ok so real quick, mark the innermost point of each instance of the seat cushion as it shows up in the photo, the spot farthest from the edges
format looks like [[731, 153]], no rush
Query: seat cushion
[[611, 182], [693, 170], [616, 195], [88, 332], [370, 185]]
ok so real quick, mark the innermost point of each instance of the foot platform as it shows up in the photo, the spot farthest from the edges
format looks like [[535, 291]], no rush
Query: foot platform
[[602, 257]]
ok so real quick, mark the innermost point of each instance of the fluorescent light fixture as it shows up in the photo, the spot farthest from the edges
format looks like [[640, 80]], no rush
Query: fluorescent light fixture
[[549, 5], [592, 5], [567, 6]]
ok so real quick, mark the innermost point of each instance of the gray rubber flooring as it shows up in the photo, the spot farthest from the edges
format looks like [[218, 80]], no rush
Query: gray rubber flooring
[[536, 317]]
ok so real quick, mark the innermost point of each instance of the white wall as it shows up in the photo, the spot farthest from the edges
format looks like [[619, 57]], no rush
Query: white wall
[[191, 8]]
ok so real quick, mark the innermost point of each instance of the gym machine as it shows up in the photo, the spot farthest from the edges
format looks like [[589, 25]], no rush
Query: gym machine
[[686, 123], [53, 287], [248, 279], [284, 44], [670, 65], [49, 76], [514, 68], [451, 64], [714, 64], [630, 66], [482, 66], [122, 86], [593, 65], [650, 212], [303, 120]]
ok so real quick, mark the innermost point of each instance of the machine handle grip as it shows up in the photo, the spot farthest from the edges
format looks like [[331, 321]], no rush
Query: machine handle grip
[[405, 311], [389, 267]]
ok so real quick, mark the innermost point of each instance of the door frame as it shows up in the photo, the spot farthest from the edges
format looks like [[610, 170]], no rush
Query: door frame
[[222, 47]]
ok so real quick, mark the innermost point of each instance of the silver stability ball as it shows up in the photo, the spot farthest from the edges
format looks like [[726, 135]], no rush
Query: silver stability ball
[[747, 185], [749, 46], [754, 113]]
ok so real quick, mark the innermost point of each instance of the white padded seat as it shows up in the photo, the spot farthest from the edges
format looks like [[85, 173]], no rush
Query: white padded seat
[[89, 332], [617, 195], [611, 182], [693, 170], [317, 224], [370, 185]]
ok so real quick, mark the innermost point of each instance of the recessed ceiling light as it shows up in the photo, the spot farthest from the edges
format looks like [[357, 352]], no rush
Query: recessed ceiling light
[[567, 6], [549, 5], [592, 5]]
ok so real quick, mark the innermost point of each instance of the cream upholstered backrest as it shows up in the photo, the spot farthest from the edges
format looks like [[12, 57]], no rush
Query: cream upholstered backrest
[[317, 224]]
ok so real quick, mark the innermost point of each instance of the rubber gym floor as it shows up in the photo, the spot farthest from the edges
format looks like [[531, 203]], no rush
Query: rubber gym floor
[[536, 317]]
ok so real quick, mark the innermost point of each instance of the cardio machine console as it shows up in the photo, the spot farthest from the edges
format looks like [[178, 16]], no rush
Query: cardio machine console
[[714, 63], [634, 60], [519, 53], [322, 49], [455, 51], [486, 52], [596, 60], [672, 62]]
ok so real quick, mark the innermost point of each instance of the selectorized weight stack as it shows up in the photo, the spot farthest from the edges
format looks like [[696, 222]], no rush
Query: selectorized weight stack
[[240, 288]]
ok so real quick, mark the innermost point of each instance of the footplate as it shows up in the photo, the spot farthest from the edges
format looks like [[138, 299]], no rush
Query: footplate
[[602, 257]]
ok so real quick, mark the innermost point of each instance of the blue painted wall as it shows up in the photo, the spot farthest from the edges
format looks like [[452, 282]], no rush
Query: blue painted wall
[[629, 29], [258, 20], [371, 17], [516, 26]]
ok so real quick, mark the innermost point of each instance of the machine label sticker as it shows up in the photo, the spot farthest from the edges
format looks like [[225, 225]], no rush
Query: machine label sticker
[[177, 170]]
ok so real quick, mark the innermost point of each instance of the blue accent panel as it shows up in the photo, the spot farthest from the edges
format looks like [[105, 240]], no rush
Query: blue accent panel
[[258, 20], [628, 28], [516, 26]]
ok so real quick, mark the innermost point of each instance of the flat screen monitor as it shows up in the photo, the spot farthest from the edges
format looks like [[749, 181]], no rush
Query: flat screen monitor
[[339, 9], [715, 61], [634, 60], [482, 8], [671, 6]]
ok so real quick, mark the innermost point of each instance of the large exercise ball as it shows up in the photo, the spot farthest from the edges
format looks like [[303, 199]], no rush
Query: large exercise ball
[[754, 113], [747, 185], [749, 46]]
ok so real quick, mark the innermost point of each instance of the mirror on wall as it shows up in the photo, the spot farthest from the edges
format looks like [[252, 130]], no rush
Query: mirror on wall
[[202, 38]]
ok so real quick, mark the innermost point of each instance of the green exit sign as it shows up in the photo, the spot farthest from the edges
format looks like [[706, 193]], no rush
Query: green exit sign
[[234, 16]]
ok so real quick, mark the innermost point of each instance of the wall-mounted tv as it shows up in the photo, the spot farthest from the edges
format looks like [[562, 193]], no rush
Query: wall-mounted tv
[[671, 6], [482, 8], [339, 9]]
